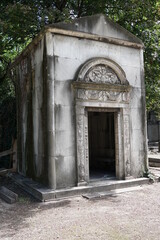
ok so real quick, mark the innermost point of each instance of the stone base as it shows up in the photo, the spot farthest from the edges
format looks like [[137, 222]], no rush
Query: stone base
[[129, 177], [46, 194], [81, 184]]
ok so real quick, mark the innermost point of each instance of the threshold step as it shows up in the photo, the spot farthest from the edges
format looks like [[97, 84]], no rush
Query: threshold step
[[43, 193], [111, 193]]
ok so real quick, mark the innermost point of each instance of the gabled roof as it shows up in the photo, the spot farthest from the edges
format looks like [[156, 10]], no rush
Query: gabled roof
[[99, 25], [96, 27]]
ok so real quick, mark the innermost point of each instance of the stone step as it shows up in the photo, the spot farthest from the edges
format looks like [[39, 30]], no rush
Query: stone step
[[112, 193], [45, 194], [3, 171], [154, 164], [101, 187], [154, 160], [7, 195], [155, 172]]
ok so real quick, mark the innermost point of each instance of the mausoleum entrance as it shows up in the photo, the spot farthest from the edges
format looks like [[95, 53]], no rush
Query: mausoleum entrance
[[101, 132], [102, 95]]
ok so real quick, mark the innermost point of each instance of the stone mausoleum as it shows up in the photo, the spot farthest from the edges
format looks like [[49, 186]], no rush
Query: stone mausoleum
[[81, 104]]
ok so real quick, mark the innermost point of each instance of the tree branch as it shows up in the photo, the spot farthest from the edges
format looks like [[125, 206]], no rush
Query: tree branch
[[80, 7]]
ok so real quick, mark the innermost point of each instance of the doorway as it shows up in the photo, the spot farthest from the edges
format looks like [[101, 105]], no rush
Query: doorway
[[101, 129]]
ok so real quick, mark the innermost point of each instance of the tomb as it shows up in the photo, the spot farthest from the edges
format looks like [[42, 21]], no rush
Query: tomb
[[81, 104]]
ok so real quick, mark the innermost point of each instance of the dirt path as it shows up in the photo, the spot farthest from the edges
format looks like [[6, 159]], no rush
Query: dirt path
[[132, 215]]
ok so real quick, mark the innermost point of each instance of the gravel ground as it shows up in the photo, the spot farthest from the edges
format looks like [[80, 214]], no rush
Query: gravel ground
[[132, 215]]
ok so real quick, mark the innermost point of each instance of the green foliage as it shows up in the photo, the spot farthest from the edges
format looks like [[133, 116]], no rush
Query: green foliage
[[142, 19], [21, 20]]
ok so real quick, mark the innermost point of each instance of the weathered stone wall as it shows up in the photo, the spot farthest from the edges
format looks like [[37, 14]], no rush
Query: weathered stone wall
[[32, 114], [47, 132], [70, 54]]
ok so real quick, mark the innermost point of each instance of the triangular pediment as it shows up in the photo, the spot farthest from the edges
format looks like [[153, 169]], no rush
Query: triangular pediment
[[99, 25]]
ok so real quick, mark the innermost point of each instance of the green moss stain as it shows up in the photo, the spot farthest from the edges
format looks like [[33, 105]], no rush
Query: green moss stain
[[44, 175], [29, 149]]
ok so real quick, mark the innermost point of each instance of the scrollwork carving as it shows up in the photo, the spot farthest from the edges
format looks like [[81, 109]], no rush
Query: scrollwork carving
[[127, 145], [102, 74], [80, 147], [103, 95]]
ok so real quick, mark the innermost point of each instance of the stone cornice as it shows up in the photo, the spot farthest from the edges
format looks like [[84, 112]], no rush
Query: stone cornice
[[101, 86], [95, 37], [76, 34]]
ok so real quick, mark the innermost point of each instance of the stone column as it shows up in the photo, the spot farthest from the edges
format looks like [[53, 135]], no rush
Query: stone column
[[81, 155], [119, 146], [86, 146], [126, 139], [50, 123]]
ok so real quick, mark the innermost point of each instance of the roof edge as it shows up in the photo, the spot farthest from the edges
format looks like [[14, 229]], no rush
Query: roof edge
[[60, 25], [28, 48], [60, 31]]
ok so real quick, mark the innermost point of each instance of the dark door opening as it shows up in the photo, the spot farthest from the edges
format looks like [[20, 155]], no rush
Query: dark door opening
[[101, 145]]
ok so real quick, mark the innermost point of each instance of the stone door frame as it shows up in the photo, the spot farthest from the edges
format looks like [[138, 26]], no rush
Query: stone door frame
[[122, 141], [96, 92]]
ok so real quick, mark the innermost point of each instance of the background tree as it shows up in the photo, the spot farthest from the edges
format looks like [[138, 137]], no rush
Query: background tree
[[21, 20]]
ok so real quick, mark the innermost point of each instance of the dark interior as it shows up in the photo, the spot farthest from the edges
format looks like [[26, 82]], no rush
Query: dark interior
[[101, 145]]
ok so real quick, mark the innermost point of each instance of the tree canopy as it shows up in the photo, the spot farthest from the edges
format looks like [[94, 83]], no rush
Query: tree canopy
[[21, 20]]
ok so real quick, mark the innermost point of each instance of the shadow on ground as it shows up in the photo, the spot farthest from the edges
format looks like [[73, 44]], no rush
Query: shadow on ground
[[13, 216]]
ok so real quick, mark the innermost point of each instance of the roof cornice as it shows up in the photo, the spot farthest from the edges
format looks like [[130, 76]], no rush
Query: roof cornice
[[82, 35]]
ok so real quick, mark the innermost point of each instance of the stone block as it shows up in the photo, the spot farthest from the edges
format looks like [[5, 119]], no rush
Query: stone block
[[137, 164], [136, 119], [133, 75], [153, 132], [74, 48], [136, 98], [51, 143], [66, 68], [114, 53], [130, 57], [66, 167], [64, 94], [65, 143], [37, 54], [37, 98], [136, 140], [64, 118], [7, 195]]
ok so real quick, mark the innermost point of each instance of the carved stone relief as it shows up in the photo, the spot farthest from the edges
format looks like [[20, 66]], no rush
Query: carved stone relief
[[102, 70], [103, 96], [82, 140], [102, 74], [86, 147], [127, 145], [80, 147], [86, 92]]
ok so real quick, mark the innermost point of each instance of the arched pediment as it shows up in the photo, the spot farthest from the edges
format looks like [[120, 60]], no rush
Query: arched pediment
[[102, 70]]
